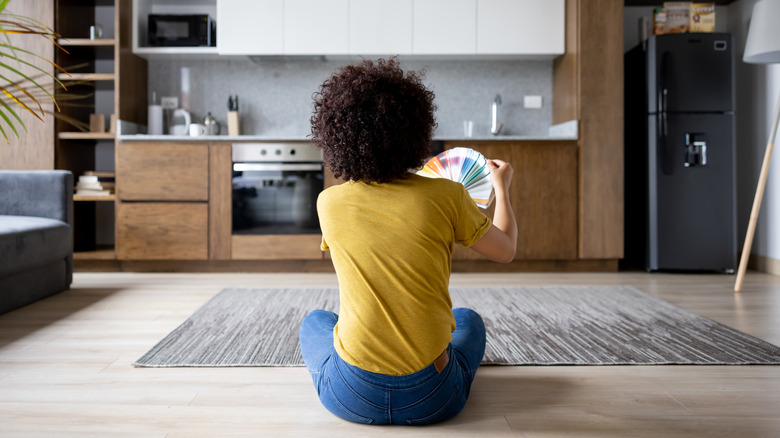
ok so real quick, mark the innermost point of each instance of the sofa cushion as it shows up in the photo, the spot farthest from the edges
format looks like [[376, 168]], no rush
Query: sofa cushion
[[29, 241]]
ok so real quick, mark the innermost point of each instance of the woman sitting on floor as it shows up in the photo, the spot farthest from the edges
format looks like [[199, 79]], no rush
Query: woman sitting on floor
[[397, 352]]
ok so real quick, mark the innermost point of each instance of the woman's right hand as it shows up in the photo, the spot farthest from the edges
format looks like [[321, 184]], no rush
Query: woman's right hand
[[501, 175]]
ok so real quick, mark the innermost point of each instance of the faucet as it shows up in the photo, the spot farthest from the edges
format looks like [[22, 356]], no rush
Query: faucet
[[495, 126]]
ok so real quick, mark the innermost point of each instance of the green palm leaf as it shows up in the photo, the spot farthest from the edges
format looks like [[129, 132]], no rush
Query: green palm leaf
[[16, 88]]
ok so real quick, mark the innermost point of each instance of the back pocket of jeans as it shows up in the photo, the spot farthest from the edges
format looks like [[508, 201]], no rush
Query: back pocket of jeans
[[336, 407], [451, 408]]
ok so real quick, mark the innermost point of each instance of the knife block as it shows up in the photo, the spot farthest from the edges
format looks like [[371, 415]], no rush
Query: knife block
[[234, 123]]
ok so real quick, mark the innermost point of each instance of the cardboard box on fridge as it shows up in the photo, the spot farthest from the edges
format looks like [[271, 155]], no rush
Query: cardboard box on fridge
[[702, 17], [659, 21], [677, 16]]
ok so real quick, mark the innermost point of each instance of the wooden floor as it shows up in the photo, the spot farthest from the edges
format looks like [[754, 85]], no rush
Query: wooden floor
[[65, 370]]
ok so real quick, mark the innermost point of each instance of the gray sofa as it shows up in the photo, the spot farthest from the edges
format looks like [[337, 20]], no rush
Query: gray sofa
[[36, 235]]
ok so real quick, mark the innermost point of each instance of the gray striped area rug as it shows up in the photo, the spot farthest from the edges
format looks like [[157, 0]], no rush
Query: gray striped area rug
[[548, 325]]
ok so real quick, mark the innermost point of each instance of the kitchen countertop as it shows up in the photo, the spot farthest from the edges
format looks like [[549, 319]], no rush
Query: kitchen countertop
[[129, 132], [249, 138]]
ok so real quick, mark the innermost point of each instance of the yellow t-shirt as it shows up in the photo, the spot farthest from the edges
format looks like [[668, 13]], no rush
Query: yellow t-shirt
[[391, 245]]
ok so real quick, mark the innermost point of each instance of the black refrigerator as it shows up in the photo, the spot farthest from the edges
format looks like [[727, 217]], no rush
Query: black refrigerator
[[680, 182]]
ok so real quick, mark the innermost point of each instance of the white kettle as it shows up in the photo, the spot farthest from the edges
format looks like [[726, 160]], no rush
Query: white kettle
[[180, 122]]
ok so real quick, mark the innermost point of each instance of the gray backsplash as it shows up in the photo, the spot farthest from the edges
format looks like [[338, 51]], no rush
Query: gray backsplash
[[276, 93]]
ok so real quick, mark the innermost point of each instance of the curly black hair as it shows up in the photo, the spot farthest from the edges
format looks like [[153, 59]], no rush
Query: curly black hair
[[373, 122]]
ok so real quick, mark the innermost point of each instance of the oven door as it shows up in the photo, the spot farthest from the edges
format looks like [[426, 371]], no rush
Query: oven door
[[276, 198]]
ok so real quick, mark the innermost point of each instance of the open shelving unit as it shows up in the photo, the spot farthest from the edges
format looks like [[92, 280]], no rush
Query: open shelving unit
[[94, 86], [110, 198], [86, 77], [85, 135]]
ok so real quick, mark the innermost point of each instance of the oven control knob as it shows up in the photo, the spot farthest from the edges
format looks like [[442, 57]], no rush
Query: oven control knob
[[278, 152], [263, 152], [292, 151]]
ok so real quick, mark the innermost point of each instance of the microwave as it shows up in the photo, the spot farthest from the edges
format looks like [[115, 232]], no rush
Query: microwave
[[182, 30]]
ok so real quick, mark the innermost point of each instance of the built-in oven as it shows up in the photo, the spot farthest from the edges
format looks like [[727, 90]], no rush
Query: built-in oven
[[275, 188]]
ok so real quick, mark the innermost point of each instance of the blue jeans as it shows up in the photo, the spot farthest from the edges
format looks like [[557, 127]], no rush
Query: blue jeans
[[423, 397]]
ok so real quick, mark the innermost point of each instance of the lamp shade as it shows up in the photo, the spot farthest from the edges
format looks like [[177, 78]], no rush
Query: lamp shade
[[763, 40]]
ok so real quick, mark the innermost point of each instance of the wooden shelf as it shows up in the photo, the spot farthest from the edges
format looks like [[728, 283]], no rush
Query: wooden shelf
[[85, 136], [205, 52], [111, 198], [97, 254], [86, 42], [86, 77]]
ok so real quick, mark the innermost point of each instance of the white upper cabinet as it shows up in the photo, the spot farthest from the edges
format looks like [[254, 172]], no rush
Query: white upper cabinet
[[521, 28], [316, 27], [250, 27], [528, 27], [444, 27], [380, 27]]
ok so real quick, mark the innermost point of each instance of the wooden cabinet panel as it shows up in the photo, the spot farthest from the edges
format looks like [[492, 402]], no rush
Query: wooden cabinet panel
[[543, 196], [588, 86], [220, 197], [601, 129], [162, 172], [277, 247], [153, 230]]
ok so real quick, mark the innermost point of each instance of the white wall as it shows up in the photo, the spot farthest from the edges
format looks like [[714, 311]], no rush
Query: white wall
[[758, 90]]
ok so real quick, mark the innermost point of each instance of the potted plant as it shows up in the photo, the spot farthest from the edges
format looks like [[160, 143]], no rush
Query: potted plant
[[19, 90]]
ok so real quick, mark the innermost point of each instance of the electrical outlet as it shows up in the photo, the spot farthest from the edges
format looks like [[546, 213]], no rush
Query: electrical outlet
[[169, 103], [532, 101]]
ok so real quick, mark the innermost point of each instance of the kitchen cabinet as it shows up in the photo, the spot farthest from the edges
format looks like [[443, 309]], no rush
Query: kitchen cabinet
[[543, 195], [588, 87], [316, 27], [156, 230], [379, 27], [521, 26], [163, 172], [384, 27], [250, 27], [163, 209], [174, 203], [277, 247], [444, 27]]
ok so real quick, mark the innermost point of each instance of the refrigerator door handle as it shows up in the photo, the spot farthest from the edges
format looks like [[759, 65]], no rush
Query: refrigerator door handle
[[663, 92], [664, 125], [663, 129]]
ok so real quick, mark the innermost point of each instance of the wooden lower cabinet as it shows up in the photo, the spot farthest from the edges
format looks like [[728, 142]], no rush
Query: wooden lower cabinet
[[162, 231], [277, 247], [164, 221], [163, 209], [543, 196], [159, 171]]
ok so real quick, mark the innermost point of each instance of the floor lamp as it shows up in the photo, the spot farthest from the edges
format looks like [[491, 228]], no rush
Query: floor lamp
[[762, 47]]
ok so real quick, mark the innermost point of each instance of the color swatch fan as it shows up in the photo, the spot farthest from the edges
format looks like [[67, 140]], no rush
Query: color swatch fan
[[467, 167]]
